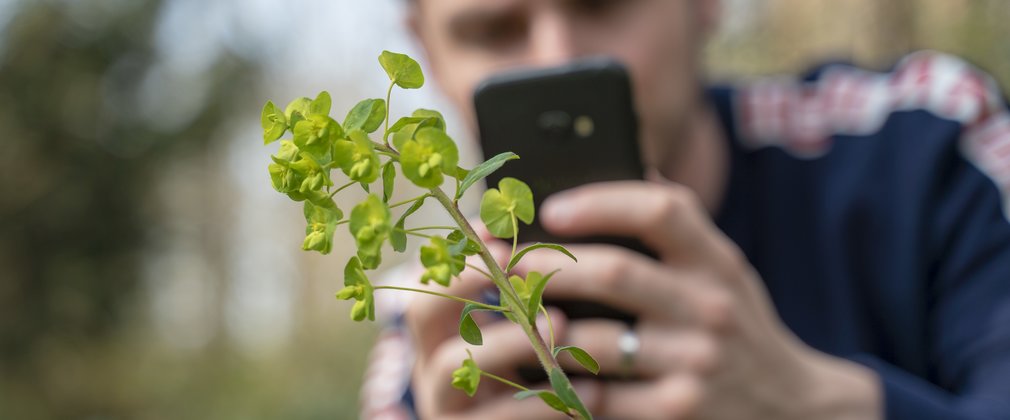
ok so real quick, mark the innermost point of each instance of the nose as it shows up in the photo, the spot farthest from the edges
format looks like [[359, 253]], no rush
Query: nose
[[552, 38]]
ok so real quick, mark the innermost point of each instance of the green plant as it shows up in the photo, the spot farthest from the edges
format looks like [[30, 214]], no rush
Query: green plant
[[427, 156]]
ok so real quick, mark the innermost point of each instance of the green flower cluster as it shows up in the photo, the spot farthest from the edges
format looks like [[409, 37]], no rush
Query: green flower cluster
[[466, 378], [319, 144], [357, 287], [440, 262]]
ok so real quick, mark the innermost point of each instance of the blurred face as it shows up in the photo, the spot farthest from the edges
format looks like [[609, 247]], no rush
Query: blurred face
[[658, 40]]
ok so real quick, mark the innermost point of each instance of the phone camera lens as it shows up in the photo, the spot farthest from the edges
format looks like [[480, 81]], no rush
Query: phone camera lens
[[584, 126], [556, 124]]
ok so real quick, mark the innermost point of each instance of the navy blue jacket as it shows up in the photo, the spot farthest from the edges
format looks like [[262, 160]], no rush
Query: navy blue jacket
[[875, 207]]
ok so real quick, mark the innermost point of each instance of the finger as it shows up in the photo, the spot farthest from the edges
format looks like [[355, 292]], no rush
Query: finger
[[675, 396], [662, 349], [667, 218], [633, 282]]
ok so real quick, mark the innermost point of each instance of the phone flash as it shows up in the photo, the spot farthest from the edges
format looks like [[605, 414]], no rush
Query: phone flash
[[584, 126]]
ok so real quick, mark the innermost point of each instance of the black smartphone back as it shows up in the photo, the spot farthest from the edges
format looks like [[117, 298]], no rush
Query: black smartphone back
[[570, 125]]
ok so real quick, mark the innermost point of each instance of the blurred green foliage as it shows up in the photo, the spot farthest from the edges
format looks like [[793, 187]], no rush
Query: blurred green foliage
[[789, 36], [78, 160]]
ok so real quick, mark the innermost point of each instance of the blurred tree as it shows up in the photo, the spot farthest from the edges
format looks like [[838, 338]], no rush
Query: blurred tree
[[77, 159]]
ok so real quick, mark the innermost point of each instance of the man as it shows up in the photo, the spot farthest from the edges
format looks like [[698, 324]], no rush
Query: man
[[834, 248]]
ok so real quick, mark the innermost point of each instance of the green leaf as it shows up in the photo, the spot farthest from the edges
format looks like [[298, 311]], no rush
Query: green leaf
[[519, 284], [467, 376], [321, 222], [297, 174], [429, 118], [316, 135], [440, 265], [563, 388], [358, 287], [424, 159], [321, 105], [547, 396], [397, 237], [274, 123], [297, 110], [404, 122], [460, 244], [356, 157], [388, 178], [366, 116], [370, 226], [519, 255], [402, 136], [500, 207], [535, 284], [580, 356], [282, 176], [468, 329], [483, 170], [405, 128], [402, 70]]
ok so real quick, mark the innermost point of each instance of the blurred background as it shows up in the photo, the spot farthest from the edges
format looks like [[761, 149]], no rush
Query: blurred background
[[148, 270]]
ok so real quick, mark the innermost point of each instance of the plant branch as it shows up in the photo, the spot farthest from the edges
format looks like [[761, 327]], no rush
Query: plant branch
[[411, 233], [408, 201], [431, 228], [510, 299], [550, 326], [342, 188], [385, 131], [456, 298], [478, 269], [503, 380], [515, 235]]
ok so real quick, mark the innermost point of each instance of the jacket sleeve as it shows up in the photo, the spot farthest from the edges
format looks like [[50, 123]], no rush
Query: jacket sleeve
[[385, 390], [968, 342]]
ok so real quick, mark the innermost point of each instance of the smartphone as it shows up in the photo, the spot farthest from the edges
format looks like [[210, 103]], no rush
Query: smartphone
[[570, 125]]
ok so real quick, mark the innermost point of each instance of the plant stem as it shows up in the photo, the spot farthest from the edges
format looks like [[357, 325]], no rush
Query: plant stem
[[510, 299], [456, 298], [515, 235], [550, 326], [385, 131], [342, 188], [504, 381], [477, 269], [411, 233], [432, 228], [422, 196]]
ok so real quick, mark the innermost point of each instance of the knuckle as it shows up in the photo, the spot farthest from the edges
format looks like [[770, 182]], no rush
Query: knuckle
[[673, 204], [732, 262], [718, 310], [613, 272], [707, 354], [669, 402], [678, 397]]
